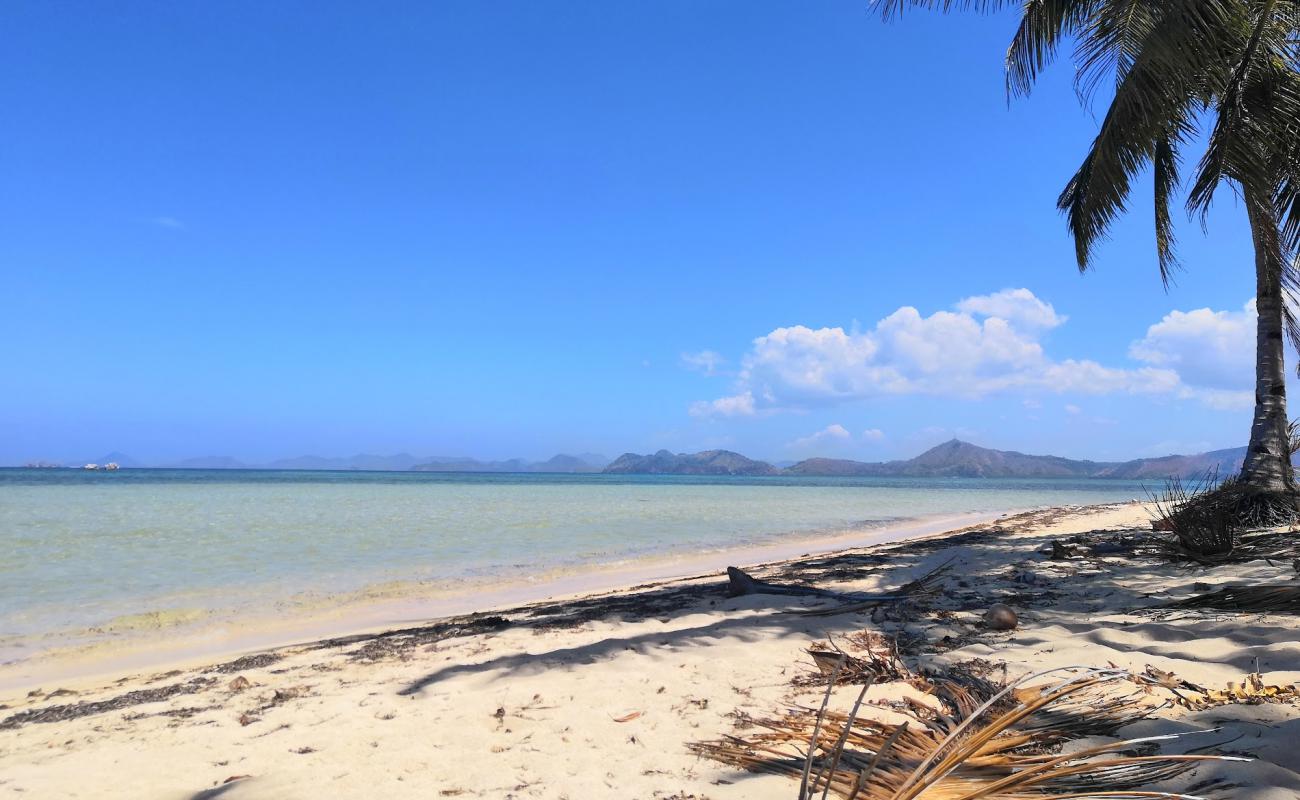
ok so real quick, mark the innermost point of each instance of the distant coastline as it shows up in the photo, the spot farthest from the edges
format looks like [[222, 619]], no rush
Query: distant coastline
[[952, 459]]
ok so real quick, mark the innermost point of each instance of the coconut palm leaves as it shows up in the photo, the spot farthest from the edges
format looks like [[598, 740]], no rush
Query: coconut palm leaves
[[1179, 71], [1007, 747], [1277, 598]]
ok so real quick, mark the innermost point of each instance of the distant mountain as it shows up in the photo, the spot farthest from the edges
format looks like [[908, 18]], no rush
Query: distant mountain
[[954, 458], [709, 462], [1225, 462], [563, 462], [964, 460], [587, 462], [361, 461], [471, 465]]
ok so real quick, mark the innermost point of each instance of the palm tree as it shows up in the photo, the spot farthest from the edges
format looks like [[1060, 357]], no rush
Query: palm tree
[[1181, 69]]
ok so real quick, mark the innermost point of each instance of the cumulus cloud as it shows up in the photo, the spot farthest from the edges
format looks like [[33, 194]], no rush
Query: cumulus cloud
[[873, 435], [1018, 305], [831, 433], [737, 405], [987, 344], [1212, 352], [706, 361]]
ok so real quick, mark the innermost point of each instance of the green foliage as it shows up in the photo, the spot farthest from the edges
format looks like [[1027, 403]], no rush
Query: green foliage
[[1174, 70]]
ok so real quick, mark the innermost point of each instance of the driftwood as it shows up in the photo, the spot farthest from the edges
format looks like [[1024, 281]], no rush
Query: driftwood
[[740, 583]]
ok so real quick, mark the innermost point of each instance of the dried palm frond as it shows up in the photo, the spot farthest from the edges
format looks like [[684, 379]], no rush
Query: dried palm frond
[[1002, 750], [879, 661], [1201, 516], [1276, 598], [1252, 689]]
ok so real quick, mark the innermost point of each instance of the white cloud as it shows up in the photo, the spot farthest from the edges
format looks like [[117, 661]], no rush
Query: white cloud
[[1018, 305], [1071, 408], [989, 344], [873, 435], [970, 353], [831, 433], [737, 405], [1212, 352], [706, 361]]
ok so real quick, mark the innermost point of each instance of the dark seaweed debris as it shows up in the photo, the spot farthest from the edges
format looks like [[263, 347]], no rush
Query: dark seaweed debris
[[255, 661], [61, 713], [399, 643]]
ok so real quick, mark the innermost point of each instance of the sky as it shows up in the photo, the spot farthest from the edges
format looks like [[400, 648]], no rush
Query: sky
[[511, 229]]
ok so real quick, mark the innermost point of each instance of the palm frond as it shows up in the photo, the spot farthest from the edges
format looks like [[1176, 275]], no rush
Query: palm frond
[[1165, 172], [1282, 598], [1238, 146], [1154, 102], [1000, 750], [1044, 24], [890, 9], [1110, 41]]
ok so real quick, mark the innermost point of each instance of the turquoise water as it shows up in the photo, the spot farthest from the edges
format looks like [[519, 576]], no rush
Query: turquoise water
[[79, 549]]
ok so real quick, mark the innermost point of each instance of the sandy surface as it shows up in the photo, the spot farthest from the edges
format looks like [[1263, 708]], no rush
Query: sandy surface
[[598, 696]]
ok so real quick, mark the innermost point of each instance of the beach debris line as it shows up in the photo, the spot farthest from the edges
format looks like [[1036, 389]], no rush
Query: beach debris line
[[399, 643], [998, 746], [60, 713]]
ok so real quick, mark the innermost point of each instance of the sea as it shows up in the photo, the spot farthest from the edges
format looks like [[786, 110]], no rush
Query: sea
[[88, 554]]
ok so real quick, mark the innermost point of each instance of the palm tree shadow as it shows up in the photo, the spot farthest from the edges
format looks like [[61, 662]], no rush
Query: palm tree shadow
[[750, 627], [990, 567]]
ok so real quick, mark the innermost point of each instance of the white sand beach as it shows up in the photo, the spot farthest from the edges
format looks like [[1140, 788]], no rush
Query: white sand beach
[[599, 695]]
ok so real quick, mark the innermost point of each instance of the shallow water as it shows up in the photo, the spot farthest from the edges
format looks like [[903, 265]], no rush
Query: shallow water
[[112, 552]]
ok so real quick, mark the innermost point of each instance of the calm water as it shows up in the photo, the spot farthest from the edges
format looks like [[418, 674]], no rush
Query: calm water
[[78, 549]]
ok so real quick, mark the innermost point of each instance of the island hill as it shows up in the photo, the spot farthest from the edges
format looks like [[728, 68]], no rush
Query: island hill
[[953, 459]]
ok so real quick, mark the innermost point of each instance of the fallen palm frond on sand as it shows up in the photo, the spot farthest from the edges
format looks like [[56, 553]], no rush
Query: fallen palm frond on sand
[[1002, 747], [879, 661], [1252, 690], [1275, 598]]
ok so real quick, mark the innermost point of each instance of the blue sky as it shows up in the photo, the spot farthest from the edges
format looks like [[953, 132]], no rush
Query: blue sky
[[512, 228]]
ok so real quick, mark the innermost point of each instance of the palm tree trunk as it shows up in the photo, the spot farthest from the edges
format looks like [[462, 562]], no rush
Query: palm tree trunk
[[1267, 468]]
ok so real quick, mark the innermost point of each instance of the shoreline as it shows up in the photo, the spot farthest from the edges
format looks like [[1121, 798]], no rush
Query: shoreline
[[373, 610], [610, 691]]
